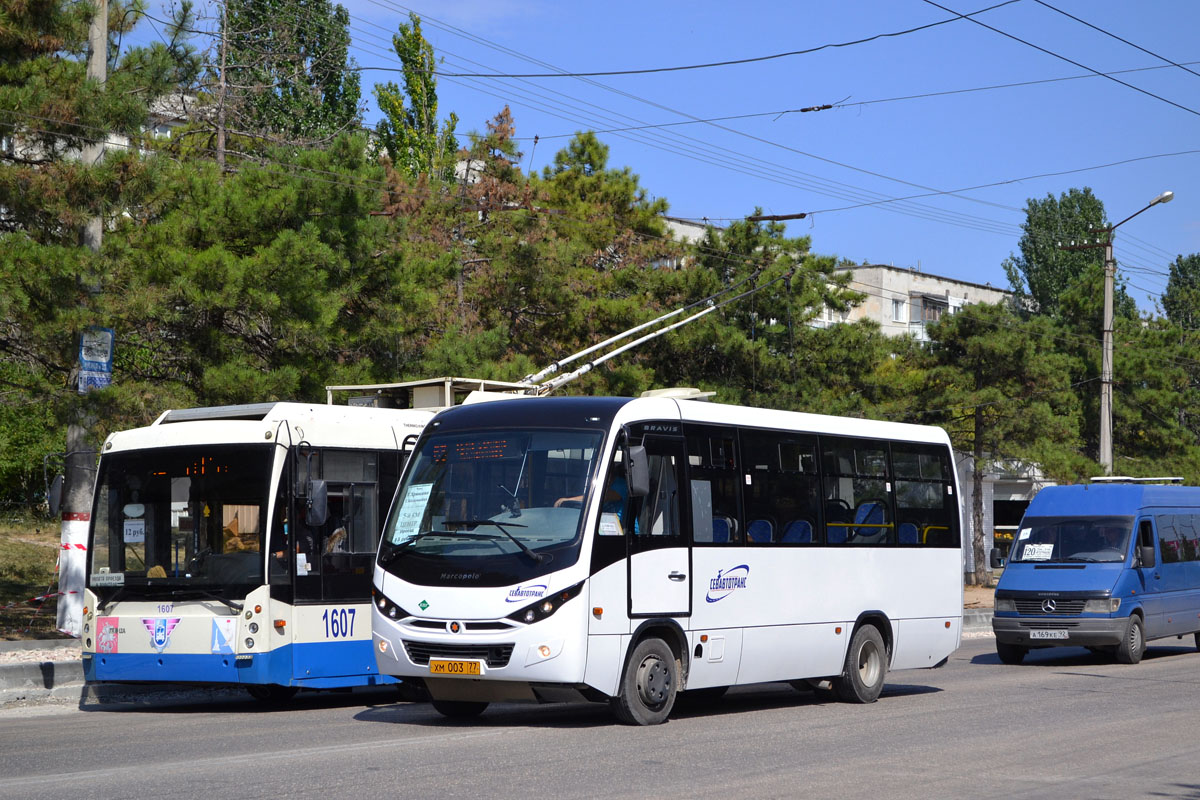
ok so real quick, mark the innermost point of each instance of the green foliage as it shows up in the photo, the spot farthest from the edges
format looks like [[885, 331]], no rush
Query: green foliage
[[1181, 299], [409, 131], [288, 70], [1052, 271]]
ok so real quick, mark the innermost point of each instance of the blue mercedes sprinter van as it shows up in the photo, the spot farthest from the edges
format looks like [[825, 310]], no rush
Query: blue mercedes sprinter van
[[1107, 566]]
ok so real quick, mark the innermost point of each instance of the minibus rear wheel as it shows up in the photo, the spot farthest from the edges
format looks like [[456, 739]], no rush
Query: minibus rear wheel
[[1011, 653], [862, 677], [1133, 643]]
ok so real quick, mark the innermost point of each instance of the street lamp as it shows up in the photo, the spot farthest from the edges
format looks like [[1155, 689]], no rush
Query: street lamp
[[1110, 271]]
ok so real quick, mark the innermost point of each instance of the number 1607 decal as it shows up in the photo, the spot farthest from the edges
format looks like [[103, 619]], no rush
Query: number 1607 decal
[[339, 623]]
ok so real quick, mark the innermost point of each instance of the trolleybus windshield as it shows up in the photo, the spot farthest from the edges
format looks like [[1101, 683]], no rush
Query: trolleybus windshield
[[490, 508], [181, 519]]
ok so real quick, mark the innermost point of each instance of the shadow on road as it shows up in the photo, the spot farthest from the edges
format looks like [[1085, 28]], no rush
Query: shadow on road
[[1077, 656], [590, 715]]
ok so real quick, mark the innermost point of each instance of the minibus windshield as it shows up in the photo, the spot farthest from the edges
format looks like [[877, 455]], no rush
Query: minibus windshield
[[1084, 539], [490, 508]]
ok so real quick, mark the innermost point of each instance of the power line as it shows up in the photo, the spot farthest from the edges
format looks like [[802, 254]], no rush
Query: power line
[[1068, 60], [731, 62], [1118, 38]]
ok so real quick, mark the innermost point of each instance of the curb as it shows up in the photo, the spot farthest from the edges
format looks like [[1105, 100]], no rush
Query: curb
[[977, 621]]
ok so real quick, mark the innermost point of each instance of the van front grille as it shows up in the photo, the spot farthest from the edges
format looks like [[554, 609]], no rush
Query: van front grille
[[1062, 608]]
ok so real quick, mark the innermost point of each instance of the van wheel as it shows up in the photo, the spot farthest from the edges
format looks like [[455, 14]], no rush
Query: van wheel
[[648, 687], [458, 709], [1133, 644], [1197, 636], [862, 676], [1011, 653]]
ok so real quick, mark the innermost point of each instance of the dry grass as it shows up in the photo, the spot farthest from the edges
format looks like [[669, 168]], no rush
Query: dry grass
[[28, 554]]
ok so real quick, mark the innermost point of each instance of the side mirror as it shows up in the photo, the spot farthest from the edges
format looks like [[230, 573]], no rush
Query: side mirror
[[638, 476], [1146, 554], [54, 496], [318, 504], [997, 560]]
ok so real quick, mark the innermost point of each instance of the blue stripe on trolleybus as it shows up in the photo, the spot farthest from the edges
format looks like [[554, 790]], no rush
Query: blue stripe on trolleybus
[[318, 665]]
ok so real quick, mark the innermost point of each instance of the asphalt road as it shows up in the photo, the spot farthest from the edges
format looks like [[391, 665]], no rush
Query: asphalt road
[[1066, 724]]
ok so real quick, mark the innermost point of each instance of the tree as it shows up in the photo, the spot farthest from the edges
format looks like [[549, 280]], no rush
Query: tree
[[1181, 299], [283, 72], [1052, 267], [49, 110], [409, 132], [999, 388]]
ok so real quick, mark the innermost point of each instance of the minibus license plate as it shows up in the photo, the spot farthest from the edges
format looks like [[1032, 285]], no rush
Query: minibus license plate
[[440, 667], [1054, 633]]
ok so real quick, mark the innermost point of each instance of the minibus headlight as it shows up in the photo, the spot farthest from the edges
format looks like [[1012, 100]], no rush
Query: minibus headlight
[[1006, 604], [539, 610], [387, 607], [1102, 605]]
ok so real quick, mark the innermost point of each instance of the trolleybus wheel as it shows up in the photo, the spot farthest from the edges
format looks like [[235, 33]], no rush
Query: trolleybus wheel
[[272, 694], [861, 680], [458, 709], [648, 687], [1133, 643], [1011, 653]]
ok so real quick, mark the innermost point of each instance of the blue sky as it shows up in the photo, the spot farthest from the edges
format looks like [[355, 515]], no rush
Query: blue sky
[[864, 149]]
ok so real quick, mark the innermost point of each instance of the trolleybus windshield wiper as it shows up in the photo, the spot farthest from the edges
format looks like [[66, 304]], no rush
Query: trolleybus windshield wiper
[[210, 595], [538, 557]]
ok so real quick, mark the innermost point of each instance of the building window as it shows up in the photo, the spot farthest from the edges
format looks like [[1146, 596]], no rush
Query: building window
[[899, 310]]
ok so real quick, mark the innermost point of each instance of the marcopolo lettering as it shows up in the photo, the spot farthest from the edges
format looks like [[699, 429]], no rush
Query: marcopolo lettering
[[727, 582]]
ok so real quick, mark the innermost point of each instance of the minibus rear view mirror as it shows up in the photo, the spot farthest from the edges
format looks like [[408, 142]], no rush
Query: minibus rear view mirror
[[1147, 556], [639, 471]]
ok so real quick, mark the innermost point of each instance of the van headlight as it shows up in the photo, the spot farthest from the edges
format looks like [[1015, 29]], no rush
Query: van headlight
[[1102, 605], [1006, 605]]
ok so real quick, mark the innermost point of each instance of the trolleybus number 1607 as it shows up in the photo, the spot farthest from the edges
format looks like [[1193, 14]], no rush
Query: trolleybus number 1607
[[339, 623]]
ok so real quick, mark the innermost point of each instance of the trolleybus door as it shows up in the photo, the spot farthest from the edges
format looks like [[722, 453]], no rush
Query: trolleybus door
[[659, 563]]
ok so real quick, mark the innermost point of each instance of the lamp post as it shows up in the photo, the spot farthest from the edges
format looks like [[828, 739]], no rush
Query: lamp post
[[1106, 364]]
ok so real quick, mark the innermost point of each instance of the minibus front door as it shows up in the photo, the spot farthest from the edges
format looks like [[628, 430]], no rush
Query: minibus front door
[[659, 563]]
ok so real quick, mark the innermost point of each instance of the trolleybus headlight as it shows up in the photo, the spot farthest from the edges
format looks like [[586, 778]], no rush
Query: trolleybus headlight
[[535, 612], [1102, 605], [249, 642], [254, 627], [1006, 604]]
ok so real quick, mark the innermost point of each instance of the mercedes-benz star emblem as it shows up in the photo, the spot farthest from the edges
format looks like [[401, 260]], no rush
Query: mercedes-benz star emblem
[[1049, 606]]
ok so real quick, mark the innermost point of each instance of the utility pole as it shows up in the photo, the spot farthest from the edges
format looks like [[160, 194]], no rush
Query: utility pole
[[222, 90], [1106, 358], [78, 473]]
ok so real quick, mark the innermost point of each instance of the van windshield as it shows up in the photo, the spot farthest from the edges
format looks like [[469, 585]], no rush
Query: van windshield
[[1087, 539]]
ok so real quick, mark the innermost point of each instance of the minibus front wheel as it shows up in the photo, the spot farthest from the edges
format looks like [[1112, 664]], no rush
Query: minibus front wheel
[[1133, 643]]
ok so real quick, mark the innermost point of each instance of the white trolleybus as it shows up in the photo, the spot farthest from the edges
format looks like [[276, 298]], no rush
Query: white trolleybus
[[233, 546], [624, 550]]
